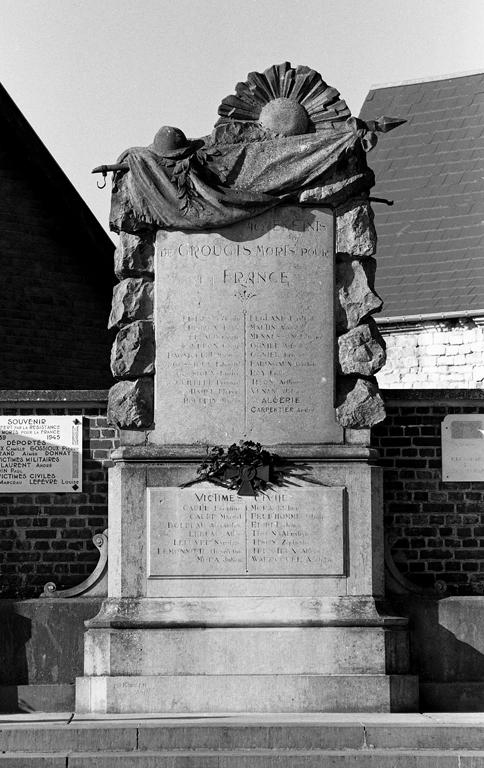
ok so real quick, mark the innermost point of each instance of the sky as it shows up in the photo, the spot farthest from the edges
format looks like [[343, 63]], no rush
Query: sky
[[94, 77]]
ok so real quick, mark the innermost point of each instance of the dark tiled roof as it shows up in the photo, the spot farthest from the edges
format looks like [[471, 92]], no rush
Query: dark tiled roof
[[59, 193], [431, 242]]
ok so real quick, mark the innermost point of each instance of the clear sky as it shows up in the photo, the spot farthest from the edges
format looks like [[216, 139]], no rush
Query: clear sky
[[94, 77]]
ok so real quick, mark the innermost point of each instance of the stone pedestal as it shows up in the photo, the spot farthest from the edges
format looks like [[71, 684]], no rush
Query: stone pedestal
[[226, 603], [275, 633]]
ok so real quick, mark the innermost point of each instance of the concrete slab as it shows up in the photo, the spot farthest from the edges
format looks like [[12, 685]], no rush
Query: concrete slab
[[183, 718], [19, 760], [264, 759], [261, 736], [464, 696], [429, 736], [250, 718], [456, 717], [32, 717], [28, 698], [268, 740], [47, 737]]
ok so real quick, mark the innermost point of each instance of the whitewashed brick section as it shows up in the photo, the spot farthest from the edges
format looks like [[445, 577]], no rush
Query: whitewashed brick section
[[434, 358]]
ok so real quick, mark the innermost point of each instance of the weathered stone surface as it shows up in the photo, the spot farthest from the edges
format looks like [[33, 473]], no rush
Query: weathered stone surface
[[130, 404], [249, 693], [132, 300], [360, 403], [218, 295], [133, 351], [134, 255], [356, 297], [302, 533], [345, 183], [355, 231], [362, 350]]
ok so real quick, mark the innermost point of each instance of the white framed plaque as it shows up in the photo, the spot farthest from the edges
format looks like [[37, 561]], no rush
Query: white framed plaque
[[463, 447], [40, 454]]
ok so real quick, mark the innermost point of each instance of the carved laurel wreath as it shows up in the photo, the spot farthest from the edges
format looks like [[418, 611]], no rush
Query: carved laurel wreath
[[188, 196]]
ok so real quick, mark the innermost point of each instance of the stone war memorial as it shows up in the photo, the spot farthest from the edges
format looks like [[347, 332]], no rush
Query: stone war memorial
[[245, 503]]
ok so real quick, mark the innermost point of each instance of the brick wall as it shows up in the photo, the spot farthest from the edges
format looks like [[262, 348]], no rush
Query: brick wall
[[48, 536], [449, 354], [438, 527]]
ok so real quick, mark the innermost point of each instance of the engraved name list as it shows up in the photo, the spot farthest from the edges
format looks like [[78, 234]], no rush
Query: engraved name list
[[250, 332], [208, 531]]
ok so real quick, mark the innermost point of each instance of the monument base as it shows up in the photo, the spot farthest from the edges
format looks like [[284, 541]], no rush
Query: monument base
[[245, 604], [247, 693], [335, 654]]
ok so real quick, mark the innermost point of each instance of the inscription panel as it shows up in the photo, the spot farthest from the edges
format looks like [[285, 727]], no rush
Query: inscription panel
[[205, 530], [245, 331], [463, 447], [40, 454]]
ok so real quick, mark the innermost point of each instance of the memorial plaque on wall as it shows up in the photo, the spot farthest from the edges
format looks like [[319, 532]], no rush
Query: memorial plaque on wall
[[206, 530], [245, 331], [463, 447], [40, 454]]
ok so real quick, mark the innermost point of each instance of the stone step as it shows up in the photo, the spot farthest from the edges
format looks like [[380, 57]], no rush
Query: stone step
[[124, 736], [370, 758], [377, 740], [231, 733]]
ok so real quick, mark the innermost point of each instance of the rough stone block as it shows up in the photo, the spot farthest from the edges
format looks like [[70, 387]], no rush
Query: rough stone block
[[132, 300], [134, 255], [133, 352], [355, 231], [360, 403], [355, 291], [362, 350], [130, 404]]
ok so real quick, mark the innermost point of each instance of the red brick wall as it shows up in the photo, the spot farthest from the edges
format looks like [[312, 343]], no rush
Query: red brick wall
[[438, 527], [48, 537]]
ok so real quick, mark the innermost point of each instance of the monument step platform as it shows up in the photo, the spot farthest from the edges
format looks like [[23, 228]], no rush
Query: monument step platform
[[246, 651], [247, 693], [359, 740], [259, 759]]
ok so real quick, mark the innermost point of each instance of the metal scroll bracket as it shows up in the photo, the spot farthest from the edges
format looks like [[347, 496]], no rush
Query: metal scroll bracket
[[398, 584], [96, 584]]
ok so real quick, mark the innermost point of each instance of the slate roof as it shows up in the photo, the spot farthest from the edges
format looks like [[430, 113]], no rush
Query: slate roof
[[56, 270], [58, 191], [431, 242]]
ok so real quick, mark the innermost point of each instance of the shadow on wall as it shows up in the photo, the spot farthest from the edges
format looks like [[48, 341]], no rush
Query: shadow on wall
[[42, 652], [447, 650], [15, 633]]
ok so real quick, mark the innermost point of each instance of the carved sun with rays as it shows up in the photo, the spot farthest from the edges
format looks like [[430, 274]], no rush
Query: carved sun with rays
[[286, 100]]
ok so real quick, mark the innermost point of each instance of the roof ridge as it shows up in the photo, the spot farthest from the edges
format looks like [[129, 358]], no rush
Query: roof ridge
[[450, 76]]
